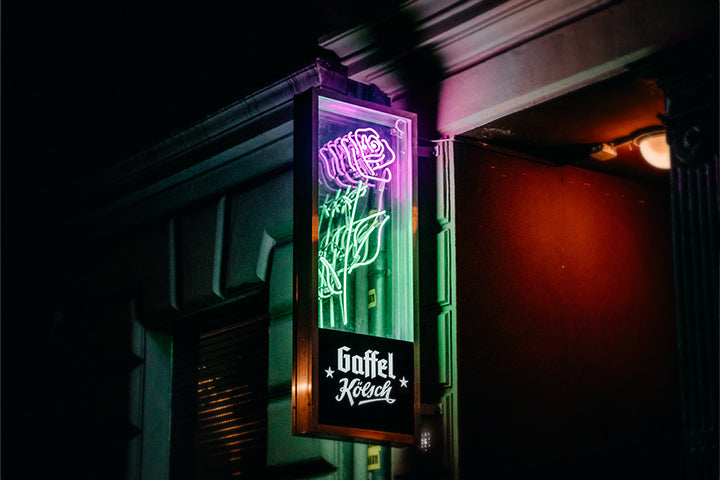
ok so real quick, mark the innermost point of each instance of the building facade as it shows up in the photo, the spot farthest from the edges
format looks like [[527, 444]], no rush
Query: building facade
[[568, 308]]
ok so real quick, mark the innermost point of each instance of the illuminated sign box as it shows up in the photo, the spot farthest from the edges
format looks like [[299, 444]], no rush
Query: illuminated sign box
[[355, 359]]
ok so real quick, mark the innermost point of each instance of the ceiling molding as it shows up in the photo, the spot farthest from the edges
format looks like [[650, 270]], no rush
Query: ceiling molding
[[180, 149], [575, 55], [460, 34], [501, 57], [246, 140]]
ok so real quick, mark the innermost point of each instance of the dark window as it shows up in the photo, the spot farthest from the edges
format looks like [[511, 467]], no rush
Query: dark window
[[219, 425]]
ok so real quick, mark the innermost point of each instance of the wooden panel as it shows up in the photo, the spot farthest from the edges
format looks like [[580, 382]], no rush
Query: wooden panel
[[445, 350], [444, 181], [445, 271], [690, 85]]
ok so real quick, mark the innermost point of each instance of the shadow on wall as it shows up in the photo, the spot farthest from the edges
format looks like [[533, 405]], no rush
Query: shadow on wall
[[397, 42], [420, 69]]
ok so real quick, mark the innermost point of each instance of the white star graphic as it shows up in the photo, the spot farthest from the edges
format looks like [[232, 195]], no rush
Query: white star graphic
[[403, 382], [329, 372]]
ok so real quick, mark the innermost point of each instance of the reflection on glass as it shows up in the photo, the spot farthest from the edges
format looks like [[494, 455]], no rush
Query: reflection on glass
[[365, 221]]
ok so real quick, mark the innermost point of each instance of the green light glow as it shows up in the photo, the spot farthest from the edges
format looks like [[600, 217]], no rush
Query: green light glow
[[345, 245], [365, 224]]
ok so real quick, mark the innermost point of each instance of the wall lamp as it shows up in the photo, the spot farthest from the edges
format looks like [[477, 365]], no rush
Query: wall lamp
[[651, 141], [654, 147]]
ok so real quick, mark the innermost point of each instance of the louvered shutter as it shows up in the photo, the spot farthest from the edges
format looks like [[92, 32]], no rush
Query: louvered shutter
[[220, 403]]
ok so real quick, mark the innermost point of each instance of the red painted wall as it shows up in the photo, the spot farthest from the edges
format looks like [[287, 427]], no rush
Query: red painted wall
[[566, 330]]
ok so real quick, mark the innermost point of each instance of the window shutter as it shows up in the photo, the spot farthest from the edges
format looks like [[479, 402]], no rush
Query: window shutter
[[220, 402]]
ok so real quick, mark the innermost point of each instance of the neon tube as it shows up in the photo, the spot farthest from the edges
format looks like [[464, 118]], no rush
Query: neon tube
[[350, 235], [359, 156], [344, 244]]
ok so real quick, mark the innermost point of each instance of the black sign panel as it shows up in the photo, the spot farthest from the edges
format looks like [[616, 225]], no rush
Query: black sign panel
[[365, 382]]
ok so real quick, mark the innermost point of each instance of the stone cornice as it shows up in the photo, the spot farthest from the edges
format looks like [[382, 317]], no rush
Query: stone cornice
[[248, 139], [177, 151], [461, 34], [491, 59]]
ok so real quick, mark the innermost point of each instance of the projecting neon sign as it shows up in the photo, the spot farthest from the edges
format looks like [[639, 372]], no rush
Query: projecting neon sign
[[355, 268]]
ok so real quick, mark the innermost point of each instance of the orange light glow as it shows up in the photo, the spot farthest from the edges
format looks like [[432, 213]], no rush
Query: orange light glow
[[655, 150]]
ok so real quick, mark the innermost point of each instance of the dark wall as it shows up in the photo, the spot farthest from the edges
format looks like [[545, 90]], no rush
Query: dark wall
[[566, 331]]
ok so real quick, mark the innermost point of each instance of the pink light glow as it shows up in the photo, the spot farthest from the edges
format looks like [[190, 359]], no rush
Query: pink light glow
[[357, 156]]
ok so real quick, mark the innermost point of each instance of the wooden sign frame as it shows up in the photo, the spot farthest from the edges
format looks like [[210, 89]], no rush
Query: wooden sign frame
[[375, 369]]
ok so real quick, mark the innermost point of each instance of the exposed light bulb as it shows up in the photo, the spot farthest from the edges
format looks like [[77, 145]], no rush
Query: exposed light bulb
[[655, 150]]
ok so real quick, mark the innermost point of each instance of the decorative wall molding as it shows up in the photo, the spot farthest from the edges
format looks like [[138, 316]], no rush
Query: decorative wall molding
[[232, 120], [461, 34], [501, 57], [446, 298], [244, 141], [691, 108]]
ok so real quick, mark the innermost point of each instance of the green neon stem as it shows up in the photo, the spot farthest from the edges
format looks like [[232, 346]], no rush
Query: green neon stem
[[347, 252], [345, 240]]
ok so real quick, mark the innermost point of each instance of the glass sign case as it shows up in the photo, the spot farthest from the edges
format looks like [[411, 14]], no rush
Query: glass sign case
[[355, 270]]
